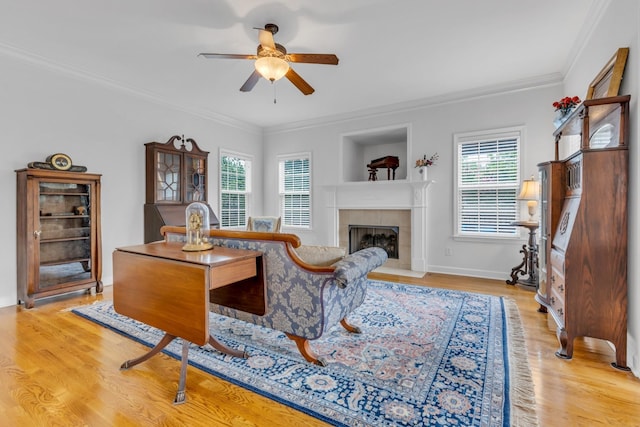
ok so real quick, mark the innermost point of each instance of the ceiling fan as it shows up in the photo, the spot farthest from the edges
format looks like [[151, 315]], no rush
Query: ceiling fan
[[272, 61]]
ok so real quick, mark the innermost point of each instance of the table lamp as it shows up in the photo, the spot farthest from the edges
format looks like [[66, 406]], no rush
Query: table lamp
[[530, 192]]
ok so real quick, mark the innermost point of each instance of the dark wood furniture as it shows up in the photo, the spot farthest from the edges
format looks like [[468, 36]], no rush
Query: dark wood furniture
[[58, 233], [165, 287], [176, 175], [552, 184], [586, 284], [529, 264], [391, 163]]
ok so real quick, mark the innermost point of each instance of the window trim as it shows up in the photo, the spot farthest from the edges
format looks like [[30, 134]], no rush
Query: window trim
[[295, 156], [518, 132], [249, 186]]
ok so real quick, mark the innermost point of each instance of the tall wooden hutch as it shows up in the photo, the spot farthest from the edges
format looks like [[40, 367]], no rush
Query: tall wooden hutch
[[176, 175], [58, 233], [583, 251]]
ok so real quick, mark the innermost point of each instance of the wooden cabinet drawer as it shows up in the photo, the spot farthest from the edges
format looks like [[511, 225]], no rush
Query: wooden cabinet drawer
[[556, 302], [232, 272], [557, 282], [557, 261], [557, 287]]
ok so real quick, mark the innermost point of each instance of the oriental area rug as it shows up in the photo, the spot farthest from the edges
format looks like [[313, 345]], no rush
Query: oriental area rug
[[425, 357]]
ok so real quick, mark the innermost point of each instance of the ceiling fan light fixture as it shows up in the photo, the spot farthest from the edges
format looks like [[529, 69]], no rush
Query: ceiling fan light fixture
[[272, 68]]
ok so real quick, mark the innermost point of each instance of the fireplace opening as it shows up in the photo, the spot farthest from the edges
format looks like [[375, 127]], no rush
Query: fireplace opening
[[366, 236]]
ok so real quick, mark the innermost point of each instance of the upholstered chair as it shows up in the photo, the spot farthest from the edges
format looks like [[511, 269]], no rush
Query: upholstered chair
[[311, 254], [300, 299], [267, 224]]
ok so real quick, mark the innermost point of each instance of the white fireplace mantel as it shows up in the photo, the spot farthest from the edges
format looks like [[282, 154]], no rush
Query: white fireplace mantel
[[380, 195]]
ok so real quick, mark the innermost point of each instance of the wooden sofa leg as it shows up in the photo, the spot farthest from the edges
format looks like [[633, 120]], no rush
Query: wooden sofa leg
[[305, 350], [350, 328]]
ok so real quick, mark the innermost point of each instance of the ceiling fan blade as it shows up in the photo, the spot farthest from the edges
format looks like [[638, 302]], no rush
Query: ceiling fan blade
[[313, 58], [299, 82], [227, 56], [266, 39], [251, 82]]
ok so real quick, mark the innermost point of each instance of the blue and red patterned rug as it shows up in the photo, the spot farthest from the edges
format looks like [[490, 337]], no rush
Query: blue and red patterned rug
[[426, 357]]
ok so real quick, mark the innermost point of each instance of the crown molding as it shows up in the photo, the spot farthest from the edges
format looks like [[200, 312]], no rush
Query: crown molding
[[450, 98], [538, 82], [594, 15], [76, 73]]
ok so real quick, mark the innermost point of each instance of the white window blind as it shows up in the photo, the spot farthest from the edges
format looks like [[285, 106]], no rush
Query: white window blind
[[488, 178], [234, 190], [295, 191]]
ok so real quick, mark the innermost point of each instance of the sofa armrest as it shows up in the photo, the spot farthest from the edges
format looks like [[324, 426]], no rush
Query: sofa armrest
[[358, 264]]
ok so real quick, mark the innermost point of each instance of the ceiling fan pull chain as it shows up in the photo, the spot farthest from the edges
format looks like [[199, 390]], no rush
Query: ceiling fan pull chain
[[274, 91]]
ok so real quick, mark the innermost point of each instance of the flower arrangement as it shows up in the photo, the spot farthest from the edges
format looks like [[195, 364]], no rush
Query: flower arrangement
[[423, 162], [566, 104]]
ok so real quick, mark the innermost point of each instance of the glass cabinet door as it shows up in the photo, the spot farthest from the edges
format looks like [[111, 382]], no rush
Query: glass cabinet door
[[544, 232], [196, 175], [65, 212], [167, 177]]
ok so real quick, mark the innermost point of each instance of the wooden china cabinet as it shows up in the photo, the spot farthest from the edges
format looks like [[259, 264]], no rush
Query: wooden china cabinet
[[583, 251], [58, 233], [176, 175]]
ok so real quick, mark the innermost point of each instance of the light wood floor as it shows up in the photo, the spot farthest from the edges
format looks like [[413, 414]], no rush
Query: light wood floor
[[59, 369]]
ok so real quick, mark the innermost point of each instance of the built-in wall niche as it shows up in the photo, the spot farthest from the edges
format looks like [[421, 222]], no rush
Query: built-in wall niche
[[360, 148]]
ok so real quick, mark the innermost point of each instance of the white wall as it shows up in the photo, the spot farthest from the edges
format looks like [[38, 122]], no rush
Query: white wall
[[617, 28], [45, 111], [432, 129]]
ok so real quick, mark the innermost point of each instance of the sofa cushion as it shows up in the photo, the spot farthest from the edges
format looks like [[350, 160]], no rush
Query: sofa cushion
[[321, 256]]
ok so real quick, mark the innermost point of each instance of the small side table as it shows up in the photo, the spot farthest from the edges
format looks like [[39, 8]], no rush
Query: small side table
[[529, 264]]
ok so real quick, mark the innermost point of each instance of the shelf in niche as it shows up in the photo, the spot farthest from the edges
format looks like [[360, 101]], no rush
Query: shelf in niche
[[360, 148], [379, 182]]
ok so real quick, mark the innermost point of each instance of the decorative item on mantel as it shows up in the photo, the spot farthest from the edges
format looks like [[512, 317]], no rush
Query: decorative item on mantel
[[388, 162], [423, 163], [564, 107]]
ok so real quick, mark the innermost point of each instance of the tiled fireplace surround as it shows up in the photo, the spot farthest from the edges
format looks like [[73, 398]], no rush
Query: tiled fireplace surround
[[385, 203]]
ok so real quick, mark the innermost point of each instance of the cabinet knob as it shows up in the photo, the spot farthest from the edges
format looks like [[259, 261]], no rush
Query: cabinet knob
[[37, 233]]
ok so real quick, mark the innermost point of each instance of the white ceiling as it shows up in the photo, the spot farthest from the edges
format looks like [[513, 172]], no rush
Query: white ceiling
[[390, 51]]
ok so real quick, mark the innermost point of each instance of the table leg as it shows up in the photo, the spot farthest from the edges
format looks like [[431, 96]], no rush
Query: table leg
[[518, 268], [166, 339], [226, 350], [180, 395]]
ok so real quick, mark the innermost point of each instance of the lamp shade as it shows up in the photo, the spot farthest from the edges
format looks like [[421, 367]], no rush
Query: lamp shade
[[271, 67], [530, 190]]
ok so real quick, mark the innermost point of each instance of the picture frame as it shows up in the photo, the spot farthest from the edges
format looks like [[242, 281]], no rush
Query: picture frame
[[607, 82]]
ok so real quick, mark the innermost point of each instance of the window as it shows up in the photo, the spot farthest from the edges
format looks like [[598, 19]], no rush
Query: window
[[294, 173], [487, 182], [235, 189]]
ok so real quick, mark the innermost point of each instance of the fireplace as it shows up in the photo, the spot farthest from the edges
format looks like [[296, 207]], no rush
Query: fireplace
[[367, 236], [389, 229], [383, 204]]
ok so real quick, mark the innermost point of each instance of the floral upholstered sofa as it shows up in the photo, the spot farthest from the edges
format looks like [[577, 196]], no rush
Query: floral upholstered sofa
[[302, 300]]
